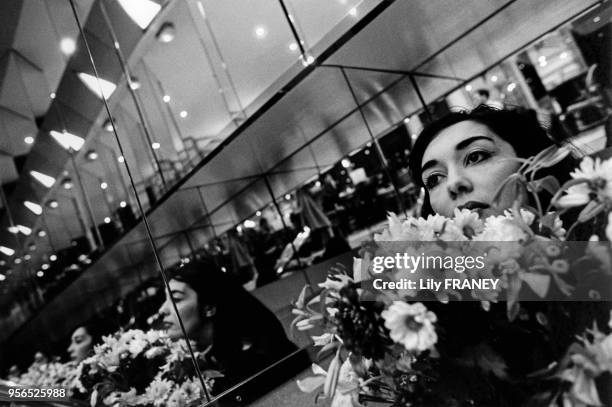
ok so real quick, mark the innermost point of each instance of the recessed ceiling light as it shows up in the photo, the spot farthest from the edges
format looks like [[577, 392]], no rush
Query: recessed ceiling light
[[183, 113], [134, 83], [28, 140], [108, 125], [121, 159], [345, 163], [103, 185], [166, 98], [166, 33], [17, 260], [40, 273], [288, 196], [67, 46], [27, 257], [494, 78], [44, 179], [52, 203], [107, 220], [53, 257], [42, 233], [293, 47], [597, 19], [260, 31], [258, 213], [468, 88], [122, 204], [563, 55], [45, 266], [142, 12], [92, 155], [52, 95], [155, 146], [353, 12], [511, 87], [2, 277], [67, 183]]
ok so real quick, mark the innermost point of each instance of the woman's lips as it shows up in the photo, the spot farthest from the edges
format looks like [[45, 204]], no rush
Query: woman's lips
[[474, 206]]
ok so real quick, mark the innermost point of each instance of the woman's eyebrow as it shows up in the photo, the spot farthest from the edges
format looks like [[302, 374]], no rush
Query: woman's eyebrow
[[428, 164], [464, 143]]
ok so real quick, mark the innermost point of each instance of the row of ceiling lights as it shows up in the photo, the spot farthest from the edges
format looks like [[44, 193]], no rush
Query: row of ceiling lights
[[142, 13]]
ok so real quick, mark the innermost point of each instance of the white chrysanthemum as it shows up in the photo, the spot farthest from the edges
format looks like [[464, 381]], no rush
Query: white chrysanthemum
[[411, 325], [500, 229], [468, 222], [599, 176]]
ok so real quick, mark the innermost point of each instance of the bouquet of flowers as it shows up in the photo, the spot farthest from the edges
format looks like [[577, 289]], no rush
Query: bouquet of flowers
[[406, 345], [141, 369], [48, 373]]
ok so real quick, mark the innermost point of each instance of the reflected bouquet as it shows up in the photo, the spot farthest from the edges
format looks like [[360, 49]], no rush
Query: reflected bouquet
[[533, 339], [136, 368]]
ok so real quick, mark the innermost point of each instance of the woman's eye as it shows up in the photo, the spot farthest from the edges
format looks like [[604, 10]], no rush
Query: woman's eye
[[476, 157], [432, 181]]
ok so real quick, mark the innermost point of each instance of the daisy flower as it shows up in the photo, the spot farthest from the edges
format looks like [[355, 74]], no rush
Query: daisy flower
[[411, 325]]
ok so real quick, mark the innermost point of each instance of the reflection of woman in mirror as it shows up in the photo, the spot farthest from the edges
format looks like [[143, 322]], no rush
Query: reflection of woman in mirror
[[238, 334], [82, 341]]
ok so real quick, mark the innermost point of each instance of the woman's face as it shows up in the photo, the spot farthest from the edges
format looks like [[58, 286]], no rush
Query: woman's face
[[81, 343], [187, 303], [463, 167]]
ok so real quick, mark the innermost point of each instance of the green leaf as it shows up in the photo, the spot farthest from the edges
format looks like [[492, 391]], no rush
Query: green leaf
[[549, 184], [590, 211]]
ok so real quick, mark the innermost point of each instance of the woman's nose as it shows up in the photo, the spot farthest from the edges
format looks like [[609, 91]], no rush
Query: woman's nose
[[163, 310], [458, 184]]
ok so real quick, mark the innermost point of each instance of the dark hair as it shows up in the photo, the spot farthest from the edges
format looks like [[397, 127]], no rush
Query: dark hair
[[239, 318], [519, 127], [96, 328]]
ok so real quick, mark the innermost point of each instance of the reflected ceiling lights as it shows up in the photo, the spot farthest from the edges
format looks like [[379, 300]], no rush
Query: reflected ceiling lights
[[261, 32], [108, 125], [34, 207], [28, 140], [20, 228], [68, 140], [67, 183], [44, 179], [67, 46], [53, 257], [142, 12], [100, 87], [134, 83], [7, 251], [92, 155], [52, 203], [183, 113], [166, 33]]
